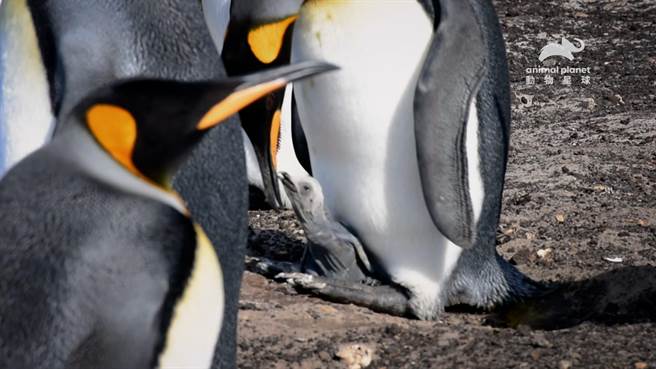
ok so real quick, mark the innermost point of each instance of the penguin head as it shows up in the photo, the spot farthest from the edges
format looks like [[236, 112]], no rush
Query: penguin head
[[264, 23], [305, 195], [149, 126]]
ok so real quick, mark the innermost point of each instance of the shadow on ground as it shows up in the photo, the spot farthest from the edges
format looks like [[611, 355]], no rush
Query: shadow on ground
[[622, 296]]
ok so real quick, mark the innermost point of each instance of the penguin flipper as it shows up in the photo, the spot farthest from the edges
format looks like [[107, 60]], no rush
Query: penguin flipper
[[448, 84], [298, 139], [335, 253]]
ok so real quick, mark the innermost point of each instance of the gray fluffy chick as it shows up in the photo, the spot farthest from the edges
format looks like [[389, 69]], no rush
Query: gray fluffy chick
[[332, 250]]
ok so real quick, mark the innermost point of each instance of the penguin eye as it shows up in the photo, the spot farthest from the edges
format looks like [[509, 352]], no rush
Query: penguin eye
[[306, 188]]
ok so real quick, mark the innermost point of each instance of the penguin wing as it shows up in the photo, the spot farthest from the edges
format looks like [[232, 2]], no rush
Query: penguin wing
[[298, 139], [334, 251], [446, 89]]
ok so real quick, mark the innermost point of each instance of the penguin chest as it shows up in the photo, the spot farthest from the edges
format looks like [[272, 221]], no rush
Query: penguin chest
[[196, 323], [25, 114], [379, 47], [359, 121]]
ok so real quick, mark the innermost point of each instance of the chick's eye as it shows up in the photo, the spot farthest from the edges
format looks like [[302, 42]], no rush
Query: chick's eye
[[306, 188]]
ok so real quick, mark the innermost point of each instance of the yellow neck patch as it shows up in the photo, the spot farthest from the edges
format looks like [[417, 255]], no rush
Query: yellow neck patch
[[115, 129], [196, 324], [266, 40]]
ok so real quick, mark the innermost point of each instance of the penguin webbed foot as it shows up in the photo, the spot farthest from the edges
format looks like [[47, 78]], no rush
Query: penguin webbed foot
[[369, 293], [270, 268]]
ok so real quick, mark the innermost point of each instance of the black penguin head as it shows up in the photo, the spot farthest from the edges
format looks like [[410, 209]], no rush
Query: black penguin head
[[305, 195], [264, 23], [149, 126]]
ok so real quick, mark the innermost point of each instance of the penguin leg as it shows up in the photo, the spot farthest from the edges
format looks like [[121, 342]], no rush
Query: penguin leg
[[384, 299]]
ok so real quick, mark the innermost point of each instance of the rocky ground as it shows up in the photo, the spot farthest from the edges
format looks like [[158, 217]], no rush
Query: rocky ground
[[579, 211]]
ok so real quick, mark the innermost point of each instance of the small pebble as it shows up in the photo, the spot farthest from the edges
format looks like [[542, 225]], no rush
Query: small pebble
[[540, 340], [564, 364], [327, 310], [641, 365], [613, 259], [589, 104], [356, 355], [560, 217], [544, 253], [599, 188]]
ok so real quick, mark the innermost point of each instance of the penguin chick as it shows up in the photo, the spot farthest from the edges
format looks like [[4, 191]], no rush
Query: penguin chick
[[334, 265], [332, 251]]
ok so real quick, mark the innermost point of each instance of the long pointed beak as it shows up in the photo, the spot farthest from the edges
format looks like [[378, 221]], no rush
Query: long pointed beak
[[261, 123], [287, 182], [257, 85]]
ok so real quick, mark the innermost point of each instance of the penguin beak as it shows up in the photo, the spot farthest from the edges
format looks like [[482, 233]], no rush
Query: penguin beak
[[265, 144], [286, 180], [258, 85], [265, 41], [265, 141]]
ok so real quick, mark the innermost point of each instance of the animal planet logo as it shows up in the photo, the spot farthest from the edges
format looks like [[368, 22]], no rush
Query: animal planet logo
[[565, 49]]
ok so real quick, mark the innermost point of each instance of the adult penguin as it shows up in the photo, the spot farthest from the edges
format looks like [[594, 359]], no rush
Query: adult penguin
[[101, 265], [85, 45], [245, 47], [409, 141]]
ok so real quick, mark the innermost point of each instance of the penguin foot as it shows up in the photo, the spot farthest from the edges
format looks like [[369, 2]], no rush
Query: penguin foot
[[270, 268], [489, 283], [380, 298]]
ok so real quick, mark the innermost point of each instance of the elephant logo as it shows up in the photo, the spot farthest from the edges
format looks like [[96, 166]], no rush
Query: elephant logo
[[565, 49]]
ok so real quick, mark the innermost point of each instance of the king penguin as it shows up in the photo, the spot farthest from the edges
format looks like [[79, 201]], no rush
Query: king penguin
[[247, 47], [101, 265], [56, 52], [409, 140]]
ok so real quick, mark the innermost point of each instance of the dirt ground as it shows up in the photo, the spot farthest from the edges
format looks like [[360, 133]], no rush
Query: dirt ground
[[579, 210]]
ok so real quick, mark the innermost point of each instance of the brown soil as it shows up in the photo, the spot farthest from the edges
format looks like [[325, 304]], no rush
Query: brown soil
[[580, 188]]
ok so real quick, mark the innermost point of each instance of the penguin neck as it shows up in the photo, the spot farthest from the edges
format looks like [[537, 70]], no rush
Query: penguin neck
[[314, 219], [75, 144]]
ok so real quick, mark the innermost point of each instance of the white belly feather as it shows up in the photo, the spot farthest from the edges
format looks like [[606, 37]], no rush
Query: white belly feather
[[196, 323], [25, 114], [359, 123]]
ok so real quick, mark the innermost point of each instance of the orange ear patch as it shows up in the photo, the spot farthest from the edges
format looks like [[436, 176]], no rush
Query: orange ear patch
[[266, 40], [274, 138], [115, 129]]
